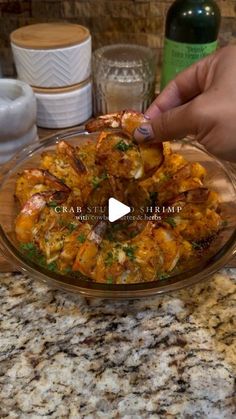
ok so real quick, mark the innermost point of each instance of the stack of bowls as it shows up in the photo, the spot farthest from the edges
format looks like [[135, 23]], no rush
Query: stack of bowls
[[55, 59]]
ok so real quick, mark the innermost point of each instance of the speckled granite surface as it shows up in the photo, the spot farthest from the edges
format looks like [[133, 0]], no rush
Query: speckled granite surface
[[163, 357]]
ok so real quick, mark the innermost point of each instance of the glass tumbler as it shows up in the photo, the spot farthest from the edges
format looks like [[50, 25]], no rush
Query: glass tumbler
[[124, 78]]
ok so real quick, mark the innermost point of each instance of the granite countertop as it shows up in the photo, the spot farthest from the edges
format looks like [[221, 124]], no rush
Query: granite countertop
[[171, 356]]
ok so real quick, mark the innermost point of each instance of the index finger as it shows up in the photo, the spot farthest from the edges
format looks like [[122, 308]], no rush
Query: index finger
[[187, 84]]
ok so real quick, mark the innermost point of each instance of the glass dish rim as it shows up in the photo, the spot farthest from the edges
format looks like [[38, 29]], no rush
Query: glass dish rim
[[105, 290]]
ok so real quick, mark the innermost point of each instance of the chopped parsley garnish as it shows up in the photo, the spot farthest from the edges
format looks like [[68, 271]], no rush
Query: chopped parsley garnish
[[165, 176], [52, 204], [153, 197], [82, 154], [27, 246], [81, 238], [104, 176], [117, 227], [123, 146], [224, 223], [132, 233], [130, 251], [196, 246], [109, 279], [110, 236], [163, 276], [71, 227], [51, 266], [30, 248], [36, 256], [171, 221], [97, 180], [109, 259]]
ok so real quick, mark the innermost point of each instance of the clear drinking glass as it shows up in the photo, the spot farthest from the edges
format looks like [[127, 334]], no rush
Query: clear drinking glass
[[124, 78]]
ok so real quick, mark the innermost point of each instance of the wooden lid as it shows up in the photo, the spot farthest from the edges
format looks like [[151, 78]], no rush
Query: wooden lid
[[49, 35], [51, 90]]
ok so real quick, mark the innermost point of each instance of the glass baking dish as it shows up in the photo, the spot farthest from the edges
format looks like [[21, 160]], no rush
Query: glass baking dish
[[220, 177]]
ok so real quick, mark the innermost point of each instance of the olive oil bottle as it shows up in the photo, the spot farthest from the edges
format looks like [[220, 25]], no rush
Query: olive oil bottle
[[191, 31]]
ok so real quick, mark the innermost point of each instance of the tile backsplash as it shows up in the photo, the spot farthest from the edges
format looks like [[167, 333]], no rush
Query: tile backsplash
[[110, 21]]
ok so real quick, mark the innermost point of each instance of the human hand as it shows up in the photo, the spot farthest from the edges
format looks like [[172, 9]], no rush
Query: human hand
[[200, 101]]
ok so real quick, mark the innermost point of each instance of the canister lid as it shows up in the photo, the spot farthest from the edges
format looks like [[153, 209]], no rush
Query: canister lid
[[55, 90], [49, 35]]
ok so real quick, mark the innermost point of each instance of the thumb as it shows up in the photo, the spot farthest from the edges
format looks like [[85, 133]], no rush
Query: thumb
[[170, 125]]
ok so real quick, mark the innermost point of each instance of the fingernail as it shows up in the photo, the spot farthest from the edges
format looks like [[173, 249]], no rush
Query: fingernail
[[144, 133]]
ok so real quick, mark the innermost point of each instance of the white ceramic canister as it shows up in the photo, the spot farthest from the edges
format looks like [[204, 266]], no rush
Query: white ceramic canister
[[52, 54], [17, 117], [64, 107]]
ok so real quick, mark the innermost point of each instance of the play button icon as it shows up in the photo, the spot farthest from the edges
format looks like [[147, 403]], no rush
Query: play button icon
[[116, 209]]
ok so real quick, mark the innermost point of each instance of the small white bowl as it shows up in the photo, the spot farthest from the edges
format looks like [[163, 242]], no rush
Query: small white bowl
[[17, 117]]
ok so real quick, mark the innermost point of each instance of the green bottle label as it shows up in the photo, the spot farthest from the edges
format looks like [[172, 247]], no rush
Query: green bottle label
[[179, 55]]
